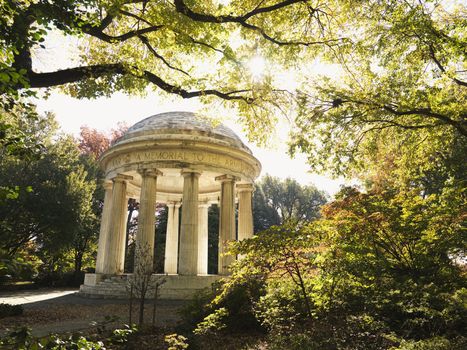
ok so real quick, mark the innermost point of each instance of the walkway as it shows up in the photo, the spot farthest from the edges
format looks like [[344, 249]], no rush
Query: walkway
[[33, 296], [59, 310]]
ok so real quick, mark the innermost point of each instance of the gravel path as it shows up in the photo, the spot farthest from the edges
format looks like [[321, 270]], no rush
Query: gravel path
[[57, 311]]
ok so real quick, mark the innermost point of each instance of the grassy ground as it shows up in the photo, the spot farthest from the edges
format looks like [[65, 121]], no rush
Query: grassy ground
[[71, 313]]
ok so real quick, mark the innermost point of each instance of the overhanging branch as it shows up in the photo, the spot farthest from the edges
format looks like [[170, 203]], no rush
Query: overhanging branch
[[182, 8], [72, 75]]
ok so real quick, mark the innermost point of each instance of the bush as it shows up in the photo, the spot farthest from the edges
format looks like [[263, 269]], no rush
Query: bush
[[122, 335], [60, 279], [237, 300], [7, 310], [176, 342], [21, 338], [281, 308], [298, 341], [20, 267], [435, 343]]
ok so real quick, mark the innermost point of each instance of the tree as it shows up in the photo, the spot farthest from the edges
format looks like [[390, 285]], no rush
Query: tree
[[379, 270], [276, 201], [16, 143], [54, 209], [93, 142], [142, 281], [277, 254], [394, 255], [131, 44], [403, 81], [403, 62]]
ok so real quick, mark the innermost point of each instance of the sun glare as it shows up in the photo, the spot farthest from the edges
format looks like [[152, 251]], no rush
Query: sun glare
[[256, 66]]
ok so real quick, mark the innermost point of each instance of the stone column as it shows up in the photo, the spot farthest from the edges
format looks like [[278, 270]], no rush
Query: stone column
[[171, 242], [188, 259], [146, 220], [115, 242], [203, 238], [122, 244], [226, 221], [104, 231], [245, 211]]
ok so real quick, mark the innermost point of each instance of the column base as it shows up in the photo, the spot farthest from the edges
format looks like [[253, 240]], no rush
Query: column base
[[176, 287], [92, 279]]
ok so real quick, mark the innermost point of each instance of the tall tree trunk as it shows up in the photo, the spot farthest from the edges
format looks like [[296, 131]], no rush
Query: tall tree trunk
[[132, 205]]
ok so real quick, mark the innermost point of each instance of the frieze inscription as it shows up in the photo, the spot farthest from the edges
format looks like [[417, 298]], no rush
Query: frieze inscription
[[196, 157]]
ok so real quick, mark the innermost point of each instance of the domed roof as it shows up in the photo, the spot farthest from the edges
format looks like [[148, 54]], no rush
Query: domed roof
[[182, 123]]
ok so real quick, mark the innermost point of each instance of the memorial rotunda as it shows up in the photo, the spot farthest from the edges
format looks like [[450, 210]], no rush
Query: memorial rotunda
[[188, 164]]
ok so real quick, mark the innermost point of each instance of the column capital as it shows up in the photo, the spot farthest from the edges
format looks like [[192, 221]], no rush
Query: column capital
[[107, 184], [122, 178], [174, 204], [244, 187], [227, 178], [150, 172], [188, 172]]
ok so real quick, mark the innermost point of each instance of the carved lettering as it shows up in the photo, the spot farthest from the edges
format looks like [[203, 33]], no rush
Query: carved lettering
[[187, 156]]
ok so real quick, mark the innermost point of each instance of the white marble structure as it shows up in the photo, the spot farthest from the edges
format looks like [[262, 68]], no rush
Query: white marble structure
[[186, 163]]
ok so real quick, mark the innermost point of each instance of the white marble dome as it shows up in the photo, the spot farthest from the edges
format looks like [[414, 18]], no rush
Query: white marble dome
[[171, 124], [174, 142]]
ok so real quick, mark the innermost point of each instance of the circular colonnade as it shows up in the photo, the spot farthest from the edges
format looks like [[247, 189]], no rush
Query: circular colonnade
[[188, 164]]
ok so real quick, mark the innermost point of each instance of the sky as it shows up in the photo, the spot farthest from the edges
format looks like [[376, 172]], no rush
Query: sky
[[105, 113]]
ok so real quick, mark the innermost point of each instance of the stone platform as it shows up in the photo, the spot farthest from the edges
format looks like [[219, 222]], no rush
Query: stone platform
[[175, 286]]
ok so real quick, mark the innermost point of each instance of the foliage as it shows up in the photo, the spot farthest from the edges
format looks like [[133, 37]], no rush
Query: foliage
[[142, 281], [23, 265], [15, 143], [160, 238], [176, 342], [378, 270], [21, 339], [62, 276], [121, 336], [213, 238], [402, 80], [7, 310], [435, 343], [93, 142], [401, 63], [280, 253], [128, 45], [393, 255], [276, 201], [296, 341], [54, 213], [231, 305], [57, 211], [213, 322]]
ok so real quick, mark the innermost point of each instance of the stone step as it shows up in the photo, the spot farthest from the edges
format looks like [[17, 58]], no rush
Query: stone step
[[175, 286]]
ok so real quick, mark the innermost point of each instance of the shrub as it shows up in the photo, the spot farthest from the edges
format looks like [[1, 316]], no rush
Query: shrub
[[435, 343], [176, 342], [297, 341], [21, 338], [213, 322], [10, 310], [281, 308], [121, 336], [22, 267], [237, 300], [60, 279]]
